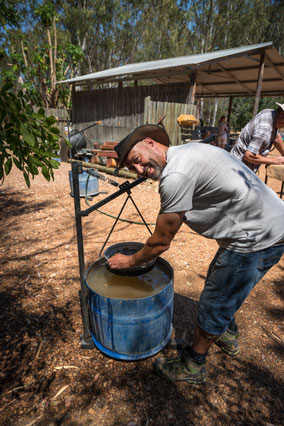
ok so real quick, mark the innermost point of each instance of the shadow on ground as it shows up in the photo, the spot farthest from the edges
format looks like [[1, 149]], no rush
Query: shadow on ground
[[35, 341]]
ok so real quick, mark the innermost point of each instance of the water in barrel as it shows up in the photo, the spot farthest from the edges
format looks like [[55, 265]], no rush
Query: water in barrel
[[107, 284]]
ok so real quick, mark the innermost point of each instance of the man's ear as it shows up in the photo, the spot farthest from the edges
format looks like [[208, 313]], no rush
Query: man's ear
[[149, 141]]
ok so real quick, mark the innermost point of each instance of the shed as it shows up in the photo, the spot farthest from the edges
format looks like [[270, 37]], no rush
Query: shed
[[255, 70]]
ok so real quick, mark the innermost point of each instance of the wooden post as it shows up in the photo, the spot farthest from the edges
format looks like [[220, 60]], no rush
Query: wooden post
[[198, 109], [259, 83], [229, 110], [191, 94], [73, 115]]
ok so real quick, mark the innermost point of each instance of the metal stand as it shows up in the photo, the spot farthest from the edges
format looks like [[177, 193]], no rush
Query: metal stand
[[86, 339]]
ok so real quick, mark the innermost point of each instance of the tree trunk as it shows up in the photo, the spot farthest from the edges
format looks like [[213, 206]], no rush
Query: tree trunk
[[215, 112], [202, 108]]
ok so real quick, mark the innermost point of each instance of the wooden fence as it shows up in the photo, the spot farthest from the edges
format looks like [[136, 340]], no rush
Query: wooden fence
[[115, 126], [155, 110], [123, 109]]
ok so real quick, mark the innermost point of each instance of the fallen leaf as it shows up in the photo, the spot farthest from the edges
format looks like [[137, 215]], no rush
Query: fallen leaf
[[60, 392], [65, 367]]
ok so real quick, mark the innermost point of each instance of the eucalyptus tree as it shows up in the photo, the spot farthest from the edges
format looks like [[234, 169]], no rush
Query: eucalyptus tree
[[108, 32], [39, 54], [163, 30]]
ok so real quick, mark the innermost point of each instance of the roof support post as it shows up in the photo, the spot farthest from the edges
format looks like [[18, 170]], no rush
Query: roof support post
[[198, 109], [191, 94], [229, 109], [73, 103], [259, 83]]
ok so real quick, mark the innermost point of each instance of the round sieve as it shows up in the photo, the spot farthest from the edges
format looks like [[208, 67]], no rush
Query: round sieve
[[127, 248]]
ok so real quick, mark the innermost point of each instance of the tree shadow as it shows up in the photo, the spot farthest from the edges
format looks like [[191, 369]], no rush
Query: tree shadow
[[238, 391], [12, 205], [25, 329]]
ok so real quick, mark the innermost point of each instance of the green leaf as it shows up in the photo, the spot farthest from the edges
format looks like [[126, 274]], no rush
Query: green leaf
[[41, 113], [8, 166], [54, 130], [32, 169], [28, 137], [48, 154], [45, 173], [17, 163], [27, 179], [36, 161], [55, 164], [50, 120]]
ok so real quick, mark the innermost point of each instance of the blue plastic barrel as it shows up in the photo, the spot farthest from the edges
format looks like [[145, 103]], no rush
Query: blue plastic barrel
[[93, 184], [132, 329]]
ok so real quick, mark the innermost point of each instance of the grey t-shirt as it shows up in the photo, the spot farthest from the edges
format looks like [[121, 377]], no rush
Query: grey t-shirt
[[221, 197]]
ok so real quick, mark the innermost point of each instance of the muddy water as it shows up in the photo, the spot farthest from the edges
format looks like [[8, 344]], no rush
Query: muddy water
[[107, 284]]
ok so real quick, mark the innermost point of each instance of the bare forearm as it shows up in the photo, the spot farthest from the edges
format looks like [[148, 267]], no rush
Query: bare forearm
[[260, 159], [166, 228], [153, 248]]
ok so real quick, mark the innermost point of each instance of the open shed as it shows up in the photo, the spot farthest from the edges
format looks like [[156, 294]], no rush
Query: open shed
[[256, 70]]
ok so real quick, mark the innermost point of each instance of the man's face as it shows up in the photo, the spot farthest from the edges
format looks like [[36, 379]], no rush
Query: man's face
[[280, 120], [146, 160]]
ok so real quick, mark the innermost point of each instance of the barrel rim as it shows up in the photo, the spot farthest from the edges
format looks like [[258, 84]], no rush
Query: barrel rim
[[158, 259]]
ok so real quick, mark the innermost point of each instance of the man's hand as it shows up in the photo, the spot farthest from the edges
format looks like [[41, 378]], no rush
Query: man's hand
[[278, 160], [120, 261]]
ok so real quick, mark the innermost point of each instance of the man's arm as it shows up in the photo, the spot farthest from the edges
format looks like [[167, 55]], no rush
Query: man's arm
[[252, 158], [166, 228]]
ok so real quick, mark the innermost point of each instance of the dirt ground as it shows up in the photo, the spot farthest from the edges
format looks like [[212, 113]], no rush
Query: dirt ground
[[47, 379]]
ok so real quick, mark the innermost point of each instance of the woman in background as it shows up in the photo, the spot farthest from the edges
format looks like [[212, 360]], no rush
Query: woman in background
[[222, 132]]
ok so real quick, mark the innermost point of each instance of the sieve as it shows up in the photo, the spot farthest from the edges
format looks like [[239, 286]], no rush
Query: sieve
[[127, 248]]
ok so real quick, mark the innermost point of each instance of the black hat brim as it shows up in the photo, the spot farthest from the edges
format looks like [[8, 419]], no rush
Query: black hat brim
[[153, 131]]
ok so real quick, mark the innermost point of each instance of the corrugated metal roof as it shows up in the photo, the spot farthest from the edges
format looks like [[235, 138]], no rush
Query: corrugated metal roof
[[180, 64]]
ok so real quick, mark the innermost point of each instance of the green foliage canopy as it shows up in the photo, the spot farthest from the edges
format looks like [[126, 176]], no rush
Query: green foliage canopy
[[62, 39], [27, 139]]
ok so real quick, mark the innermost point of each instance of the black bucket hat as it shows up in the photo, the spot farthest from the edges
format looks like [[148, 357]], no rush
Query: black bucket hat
[[153, 131]]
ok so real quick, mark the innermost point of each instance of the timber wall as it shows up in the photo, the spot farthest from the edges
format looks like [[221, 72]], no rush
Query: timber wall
[[121, 110]]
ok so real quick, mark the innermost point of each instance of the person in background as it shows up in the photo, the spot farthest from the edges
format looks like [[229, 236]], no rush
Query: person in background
[[205, 133], [220, 198], [257, 138], [222, 132]]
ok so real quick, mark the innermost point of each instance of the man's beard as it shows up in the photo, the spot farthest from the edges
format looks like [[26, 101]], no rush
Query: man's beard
[[157, 170]]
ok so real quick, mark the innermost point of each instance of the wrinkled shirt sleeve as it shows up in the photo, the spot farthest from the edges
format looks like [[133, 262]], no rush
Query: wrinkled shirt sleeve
[[176, 193]]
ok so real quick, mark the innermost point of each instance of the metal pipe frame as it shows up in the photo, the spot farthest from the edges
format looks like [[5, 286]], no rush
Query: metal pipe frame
[[86, 338]]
